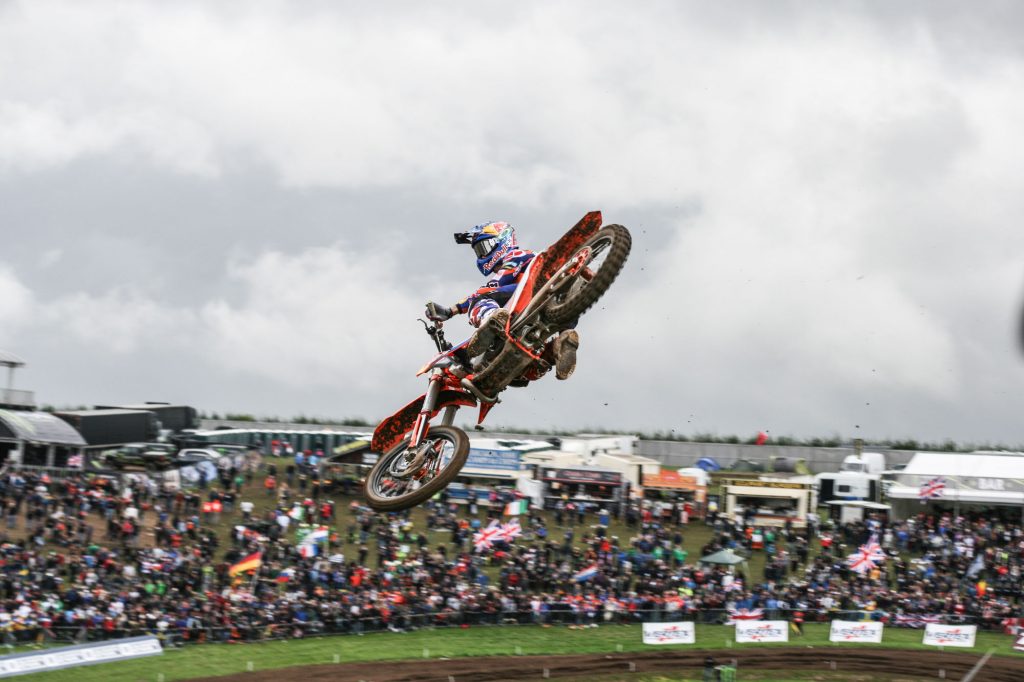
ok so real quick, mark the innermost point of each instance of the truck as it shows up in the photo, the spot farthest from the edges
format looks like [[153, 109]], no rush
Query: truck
[[149, 456], [859, 478], [113, 427]]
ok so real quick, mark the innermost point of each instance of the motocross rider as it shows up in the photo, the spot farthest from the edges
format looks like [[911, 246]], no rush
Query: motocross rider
[[500, 258]]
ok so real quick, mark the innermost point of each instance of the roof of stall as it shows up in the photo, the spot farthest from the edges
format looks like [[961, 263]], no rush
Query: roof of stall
[[39, 427], [8, 359], [975, 464]]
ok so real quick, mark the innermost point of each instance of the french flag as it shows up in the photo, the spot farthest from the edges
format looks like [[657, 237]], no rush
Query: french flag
[[585, 573]]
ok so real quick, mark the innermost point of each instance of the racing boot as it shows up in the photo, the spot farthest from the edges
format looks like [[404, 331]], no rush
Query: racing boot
[[486, 333], [564, 349]]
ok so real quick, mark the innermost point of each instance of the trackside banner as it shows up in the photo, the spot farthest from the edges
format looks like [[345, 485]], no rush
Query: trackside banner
[[762, 631], [83, 654], [950, 635], [669, 633], [853, 631]]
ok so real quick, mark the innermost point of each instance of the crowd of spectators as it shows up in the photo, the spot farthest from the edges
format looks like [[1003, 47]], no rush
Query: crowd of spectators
[[85, 558]]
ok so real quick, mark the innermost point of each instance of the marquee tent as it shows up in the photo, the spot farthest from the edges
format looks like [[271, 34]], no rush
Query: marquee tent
[[724, 557], [986, 479]]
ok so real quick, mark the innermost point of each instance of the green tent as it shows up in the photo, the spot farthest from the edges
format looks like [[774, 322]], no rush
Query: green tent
[[725, 557]]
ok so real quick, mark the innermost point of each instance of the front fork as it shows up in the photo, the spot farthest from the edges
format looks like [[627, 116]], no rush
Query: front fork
[[422, 425]]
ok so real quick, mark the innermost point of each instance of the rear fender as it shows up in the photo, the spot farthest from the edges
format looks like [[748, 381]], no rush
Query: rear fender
[[390, 432], [558, 253]]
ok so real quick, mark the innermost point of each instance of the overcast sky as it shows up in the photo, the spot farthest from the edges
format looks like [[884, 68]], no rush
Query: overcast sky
[[244, 205]]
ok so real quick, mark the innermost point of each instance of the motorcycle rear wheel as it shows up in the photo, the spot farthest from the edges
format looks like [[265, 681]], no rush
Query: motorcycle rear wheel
[[388, 488], [611, 241]]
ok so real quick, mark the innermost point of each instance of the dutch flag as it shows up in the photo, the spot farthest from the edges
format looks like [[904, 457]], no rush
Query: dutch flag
[[585, 573]]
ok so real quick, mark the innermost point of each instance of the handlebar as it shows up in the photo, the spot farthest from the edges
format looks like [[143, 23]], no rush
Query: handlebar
[[436, 332]]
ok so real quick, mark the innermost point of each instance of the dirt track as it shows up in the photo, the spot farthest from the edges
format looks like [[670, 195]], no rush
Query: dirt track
[[889, 661]]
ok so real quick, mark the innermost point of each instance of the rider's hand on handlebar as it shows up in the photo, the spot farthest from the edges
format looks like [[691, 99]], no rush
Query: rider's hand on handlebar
[[438, 313]]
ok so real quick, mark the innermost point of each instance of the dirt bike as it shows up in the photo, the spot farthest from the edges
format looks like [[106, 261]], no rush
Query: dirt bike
[[417, 459]]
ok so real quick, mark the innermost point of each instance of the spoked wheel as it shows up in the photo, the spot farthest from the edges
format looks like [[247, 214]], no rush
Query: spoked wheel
[[598, 263], [404, 477]]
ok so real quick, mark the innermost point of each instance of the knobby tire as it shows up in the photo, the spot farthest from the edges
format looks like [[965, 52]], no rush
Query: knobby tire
[[454, 435], [580, 300]]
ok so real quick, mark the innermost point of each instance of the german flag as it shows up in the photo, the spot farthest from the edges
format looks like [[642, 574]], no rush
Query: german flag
[[249, 563]]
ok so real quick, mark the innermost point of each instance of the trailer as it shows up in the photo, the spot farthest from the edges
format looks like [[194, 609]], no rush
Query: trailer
[[113, 427], [173, 418]]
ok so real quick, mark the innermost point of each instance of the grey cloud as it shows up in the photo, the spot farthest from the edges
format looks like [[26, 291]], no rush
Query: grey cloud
[[255, 199]]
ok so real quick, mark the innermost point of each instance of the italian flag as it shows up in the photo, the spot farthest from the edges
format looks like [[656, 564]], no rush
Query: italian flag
[[517, 507]]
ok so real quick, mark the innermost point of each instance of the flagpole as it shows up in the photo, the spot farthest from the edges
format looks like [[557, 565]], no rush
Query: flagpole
[[956, 502], [255, 573]]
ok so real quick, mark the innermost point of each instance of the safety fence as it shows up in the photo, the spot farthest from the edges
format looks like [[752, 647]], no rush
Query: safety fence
[[193, 631]]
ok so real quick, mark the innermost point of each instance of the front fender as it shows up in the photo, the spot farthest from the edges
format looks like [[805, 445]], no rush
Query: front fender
[[390, 432]]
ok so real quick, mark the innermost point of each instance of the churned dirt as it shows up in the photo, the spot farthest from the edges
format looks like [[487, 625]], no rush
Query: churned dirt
[[880, 662]]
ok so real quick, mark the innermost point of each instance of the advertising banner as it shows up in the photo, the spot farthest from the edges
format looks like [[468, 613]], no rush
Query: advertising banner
[[853, 631], [950, 635], [583, 476], [507, 460], [669, 633], [762, 631], [73, 656]]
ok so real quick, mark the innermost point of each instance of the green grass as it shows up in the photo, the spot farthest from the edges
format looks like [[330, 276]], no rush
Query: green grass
[[223, 659]]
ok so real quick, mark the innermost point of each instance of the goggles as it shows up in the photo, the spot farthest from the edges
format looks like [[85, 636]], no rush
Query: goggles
[[484, 246]]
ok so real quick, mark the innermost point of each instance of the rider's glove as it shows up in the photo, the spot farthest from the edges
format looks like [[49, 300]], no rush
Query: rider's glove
[[438, 313]]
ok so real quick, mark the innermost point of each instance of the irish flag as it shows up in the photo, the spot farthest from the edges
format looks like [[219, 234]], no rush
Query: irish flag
[[517, 507], [249, 563]]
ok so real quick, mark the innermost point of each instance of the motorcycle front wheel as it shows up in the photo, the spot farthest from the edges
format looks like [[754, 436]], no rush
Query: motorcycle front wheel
[[405, 477]]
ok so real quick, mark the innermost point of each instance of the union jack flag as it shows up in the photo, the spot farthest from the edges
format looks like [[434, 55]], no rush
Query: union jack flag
[[744, 614], [915, 620], [867, 556], [509, 531], [483, 539], [932, 489], [75, 460]]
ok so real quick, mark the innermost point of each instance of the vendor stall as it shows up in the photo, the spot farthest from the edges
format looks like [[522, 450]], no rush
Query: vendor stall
[[582, 484], [38, 439], [991, 482], [673, 487], [769, 502]]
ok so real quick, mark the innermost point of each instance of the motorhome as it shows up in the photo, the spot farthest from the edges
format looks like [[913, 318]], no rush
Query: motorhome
[[859, 478]]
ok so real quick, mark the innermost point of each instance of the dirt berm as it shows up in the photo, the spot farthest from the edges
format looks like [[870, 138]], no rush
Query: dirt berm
[[890, 662]]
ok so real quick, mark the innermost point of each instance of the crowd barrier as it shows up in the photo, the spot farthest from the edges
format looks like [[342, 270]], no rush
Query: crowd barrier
[[559, 615]]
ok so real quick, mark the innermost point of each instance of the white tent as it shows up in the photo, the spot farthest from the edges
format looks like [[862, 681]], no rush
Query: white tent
[[977, 478]]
